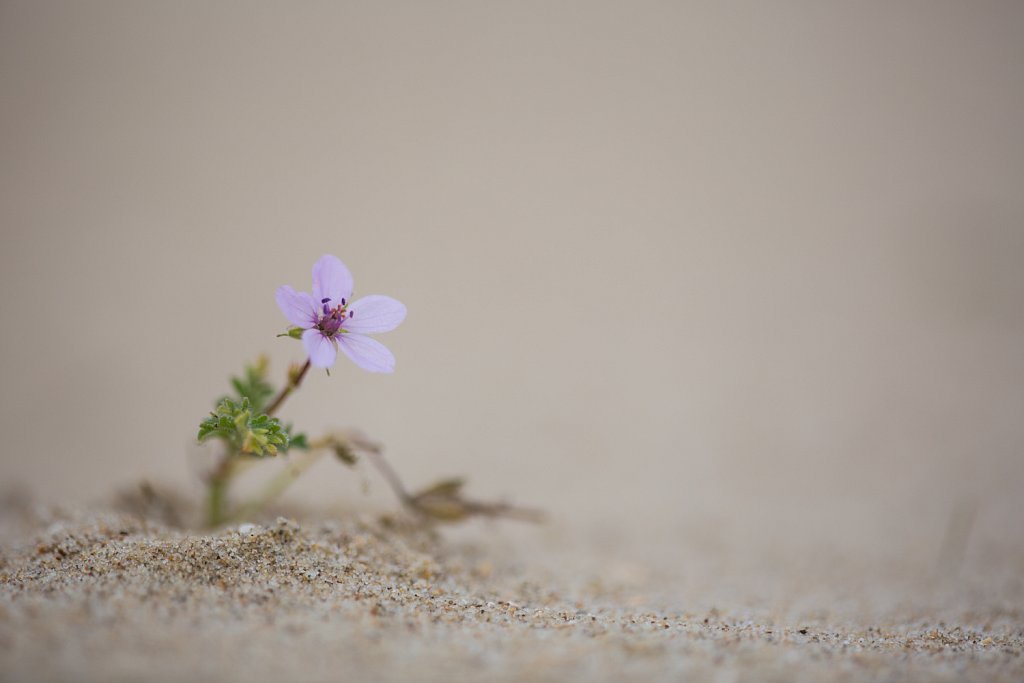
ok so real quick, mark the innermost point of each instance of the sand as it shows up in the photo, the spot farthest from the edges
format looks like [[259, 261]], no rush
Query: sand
[[125, 592]]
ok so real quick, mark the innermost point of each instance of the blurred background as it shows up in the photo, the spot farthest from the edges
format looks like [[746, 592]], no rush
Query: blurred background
[[690, 274]]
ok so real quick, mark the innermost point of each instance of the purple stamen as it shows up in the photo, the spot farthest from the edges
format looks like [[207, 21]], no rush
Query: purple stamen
[[331, 322], [351, 314]]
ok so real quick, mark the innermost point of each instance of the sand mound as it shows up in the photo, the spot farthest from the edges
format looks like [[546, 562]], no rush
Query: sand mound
[[109, 596]]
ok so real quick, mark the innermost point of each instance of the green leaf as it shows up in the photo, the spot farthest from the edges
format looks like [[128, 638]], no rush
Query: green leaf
[[245, 430], [253, 385], [299, 441]]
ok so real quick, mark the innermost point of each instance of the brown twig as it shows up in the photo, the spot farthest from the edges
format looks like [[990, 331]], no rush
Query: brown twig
[[293, 384], [389, 474]]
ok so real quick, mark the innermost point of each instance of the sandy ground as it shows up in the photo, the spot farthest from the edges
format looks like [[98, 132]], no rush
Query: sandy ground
[[121, 592]]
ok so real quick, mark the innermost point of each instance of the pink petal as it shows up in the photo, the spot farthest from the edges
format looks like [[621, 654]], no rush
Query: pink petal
[[321, 350], [298, 307], [375, 313], [331, 280], [367, 353]]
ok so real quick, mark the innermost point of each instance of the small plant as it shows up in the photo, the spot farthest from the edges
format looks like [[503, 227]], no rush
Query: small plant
[[245, 424]]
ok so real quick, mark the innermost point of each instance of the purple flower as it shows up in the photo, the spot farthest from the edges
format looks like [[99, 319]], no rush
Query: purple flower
[[331, 319]]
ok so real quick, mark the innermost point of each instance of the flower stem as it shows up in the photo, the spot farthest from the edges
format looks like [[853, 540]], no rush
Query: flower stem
[[293, 383]]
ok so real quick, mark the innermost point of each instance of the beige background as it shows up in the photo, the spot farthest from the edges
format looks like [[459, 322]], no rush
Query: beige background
[[753, 270]]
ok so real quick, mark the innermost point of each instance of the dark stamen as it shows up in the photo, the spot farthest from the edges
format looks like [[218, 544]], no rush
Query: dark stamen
[[327, 298], [351, 314], [342, 301]]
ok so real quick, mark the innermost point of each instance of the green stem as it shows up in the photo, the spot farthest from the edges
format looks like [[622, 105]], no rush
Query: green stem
[[218, 489], [276, 486]]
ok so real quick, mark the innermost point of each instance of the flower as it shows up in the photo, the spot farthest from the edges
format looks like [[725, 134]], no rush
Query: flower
[[331, 319]]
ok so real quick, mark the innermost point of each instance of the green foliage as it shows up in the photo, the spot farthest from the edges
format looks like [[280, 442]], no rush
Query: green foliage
[[296, 441], [254, 385], [244, 430], [240, 421]]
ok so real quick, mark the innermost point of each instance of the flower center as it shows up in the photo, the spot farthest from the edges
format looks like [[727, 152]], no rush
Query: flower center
[[332, 318]]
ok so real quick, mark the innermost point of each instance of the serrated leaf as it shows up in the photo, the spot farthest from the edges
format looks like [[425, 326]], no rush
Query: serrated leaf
[[253, 385], [234, 423], [298, 441]]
